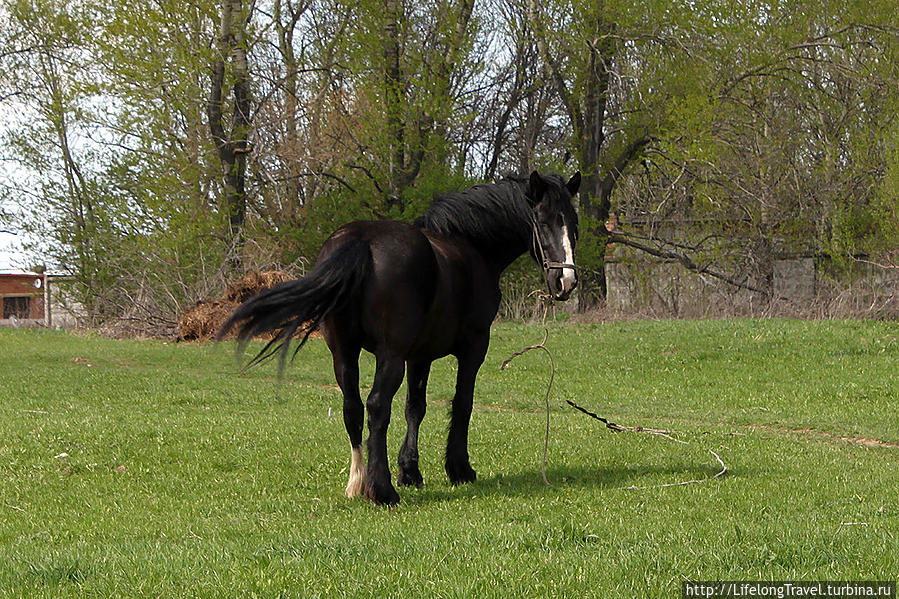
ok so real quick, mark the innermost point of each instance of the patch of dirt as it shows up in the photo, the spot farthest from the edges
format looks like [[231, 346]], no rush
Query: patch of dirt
[[860, 440], [866, 441]]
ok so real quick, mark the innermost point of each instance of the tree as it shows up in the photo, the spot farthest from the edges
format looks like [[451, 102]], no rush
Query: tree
[[232, 143], [115, 162], [393, 85], [787, 151], [584, 58], [689, 98], [723, 134], [46, 73]]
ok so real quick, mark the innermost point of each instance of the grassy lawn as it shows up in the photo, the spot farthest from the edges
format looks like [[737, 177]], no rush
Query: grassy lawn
[[147, 469]]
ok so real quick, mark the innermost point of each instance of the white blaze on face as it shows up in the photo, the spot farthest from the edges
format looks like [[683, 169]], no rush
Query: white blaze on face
[[568, 275]]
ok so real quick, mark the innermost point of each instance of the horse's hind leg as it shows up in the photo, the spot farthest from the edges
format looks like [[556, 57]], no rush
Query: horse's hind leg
[[417, 380], [346, 370], [388, 377]]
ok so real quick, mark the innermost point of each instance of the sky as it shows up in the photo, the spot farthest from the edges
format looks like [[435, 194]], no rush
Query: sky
[[11, 257]]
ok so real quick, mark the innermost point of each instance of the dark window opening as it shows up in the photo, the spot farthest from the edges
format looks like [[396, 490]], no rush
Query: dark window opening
[[16, 307]]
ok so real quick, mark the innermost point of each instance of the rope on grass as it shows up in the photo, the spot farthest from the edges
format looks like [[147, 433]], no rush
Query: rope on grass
[[549, 386], [721, 473], [610, 425], [660, 433], [619, 428], [545, 302]]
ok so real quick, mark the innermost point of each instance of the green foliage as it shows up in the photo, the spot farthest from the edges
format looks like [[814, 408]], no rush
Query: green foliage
[[436, 179], [120, 479], [780, 116], [113, 139], [339, 205], [591, 249], [783, 124], [869, 225]]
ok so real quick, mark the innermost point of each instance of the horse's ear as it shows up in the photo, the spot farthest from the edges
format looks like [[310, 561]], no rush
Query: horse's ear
[[537, 188], [574, 183]]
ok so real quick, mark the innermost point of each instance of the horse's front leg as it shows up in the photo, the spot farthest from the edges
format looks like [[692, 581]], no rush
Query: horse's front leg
[[388, 377], [417, 381], [458, 466]]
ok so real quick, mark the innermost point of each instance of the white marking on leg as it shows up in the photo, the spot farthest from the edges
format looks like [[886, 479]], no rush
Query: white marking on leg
[[356, 484], [568, 275]]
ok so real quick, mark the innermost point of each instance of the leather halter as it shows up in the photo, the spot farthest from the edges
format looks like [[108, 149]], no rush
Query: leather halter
[[547, 265]]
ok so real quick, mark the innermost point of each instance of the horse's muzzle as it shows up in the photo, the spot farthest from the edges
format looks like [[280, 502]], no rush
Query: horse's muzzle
[[561, 296], [562, 283]]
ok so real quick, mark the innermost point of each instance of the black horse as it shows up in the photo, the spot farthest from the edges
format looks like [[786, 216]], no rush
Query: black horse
[[412, 293]]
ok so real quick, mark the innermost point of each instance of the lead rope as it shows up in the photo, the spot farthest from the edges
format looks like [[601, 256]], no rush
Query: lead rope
[[548, 265], [549, 386], [610, 425]]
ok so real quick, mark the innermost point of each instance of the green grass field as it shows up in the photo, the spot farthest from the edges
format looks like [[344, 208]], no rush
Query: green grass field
[[147, 469]]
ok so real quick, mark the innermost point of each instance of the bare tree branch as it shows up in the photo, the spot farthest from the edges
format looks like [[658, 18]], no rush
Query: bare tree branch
[[628, 154], [683, 259]]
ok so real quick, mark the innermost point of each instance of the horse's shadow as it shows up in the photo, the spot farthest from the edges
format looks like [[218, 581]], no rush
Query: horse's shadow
[[530, 482]]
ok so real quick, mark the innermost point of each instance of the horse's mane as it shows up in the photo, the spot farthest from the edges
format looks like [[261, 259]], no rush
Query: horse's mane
[[497, 213]]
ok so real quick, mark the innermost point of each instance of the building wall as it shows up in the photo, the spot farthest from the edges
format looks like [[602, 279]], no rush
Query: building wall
[[65, 311], [14, 287], [801, 286], [794, 277]]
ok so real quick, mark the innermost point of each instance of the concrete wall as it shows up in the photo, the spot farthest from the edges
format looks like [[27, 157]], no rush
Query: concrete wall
[[801, 286], [65, 312], [667, 289]]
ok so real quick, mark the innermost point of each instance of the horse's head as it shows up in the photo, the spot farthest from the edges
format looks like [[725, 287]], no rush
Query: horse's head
[[555, 230]]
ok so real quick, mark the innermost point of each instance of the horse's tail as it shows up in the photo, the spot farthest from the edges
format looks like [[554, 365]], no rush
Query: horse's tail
[[301, 305]]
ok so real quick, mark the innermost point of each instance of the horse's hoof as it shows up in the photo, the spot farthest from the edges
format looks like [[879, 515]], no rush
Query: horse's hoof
[[459, 474], [382, 494], [410, 478]]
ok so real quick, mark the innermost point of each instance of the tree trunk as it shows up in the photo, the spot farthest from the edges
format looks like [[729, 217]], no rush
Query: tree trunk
[[286, 18], [587, 114], [595, 199], [394, 95], [232, 146]]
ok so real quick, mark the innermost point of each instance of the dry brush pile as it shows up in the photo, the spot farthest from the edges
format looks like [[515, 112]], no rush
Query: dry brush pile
[[202, 320]]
